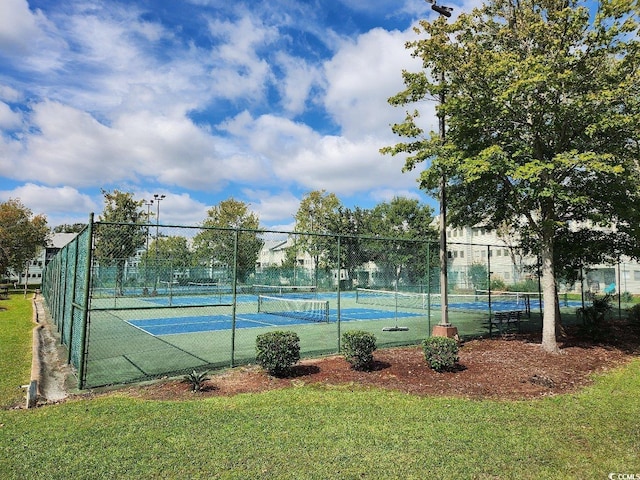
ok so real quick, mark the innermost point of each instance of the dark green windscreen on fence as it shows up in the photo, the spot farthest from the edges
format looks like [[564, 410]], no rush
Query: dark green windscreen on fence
[[134, 302]]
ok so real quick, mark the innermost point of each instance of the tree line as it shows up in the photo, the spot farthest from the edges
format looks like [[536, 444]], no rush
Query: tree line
[[231, 230]]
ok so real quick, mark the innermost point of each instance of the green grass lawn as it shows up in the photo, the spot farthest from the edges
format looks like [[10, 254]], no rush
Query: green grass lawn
[[16, 327], [314, 432]]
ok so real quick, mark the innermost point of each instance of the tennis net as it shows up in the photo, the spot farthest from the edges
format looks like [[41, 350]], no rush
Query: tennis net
[[275, 290], [308, 310], [481, 300], [391, 298]]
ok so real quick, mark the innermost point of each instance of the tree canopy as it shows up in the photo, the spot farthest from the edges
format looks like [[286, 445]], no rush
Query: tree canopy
[[118, 241], [216, 244], [542, 122], [21, 234]]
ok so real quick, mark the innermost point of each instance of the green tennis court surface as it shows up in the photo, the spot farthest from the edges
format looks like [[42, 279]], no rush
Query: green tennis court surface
[[208, 323]]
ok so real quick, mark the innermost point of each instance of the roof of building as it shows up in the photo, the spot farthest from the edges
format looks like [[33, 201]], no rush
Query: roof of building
[[59, 240]]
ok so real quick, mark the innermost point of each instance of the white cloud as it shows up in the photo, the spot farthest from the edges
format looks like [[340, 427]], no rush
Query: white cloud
[[299, 78], [175, 209], [120, 111], [28, 38], [269, 206], [360, 78], [65, 201], [9, 94], [8, 118], [18, 27], [72, 148], [238, 70], [300, 156]]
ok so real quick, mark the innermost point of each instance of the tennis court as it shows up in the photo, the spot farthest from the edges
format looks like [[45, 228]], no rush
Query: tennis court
[[209, 323]]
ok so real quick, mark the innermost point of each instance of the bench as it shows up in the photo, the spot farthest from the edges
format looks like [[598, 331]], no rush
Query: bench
[[505, 318], [4, 292]]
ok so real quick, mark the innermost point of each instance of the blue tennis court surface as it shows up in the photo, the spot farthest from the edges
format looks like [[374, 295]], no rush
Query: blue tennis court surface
[[178, 325]]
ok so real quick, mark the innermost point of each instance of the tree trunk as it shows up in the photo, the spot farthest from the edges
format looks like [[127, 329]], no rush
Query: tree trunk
[[549, 342]]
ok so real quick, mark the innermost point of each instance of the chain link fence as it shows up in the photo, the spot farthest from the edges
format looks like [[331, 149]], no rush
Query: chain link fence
[[134, 302]]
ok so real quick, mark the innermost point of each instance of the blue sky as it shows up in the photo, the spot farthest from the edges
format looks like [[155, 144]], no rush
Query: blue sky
[[202, 100]]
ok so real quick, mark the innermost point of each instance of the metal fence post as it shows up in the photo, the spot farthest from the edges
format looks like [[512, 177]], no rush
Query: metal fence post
[[85, 305], [234, 292], [338, 299]]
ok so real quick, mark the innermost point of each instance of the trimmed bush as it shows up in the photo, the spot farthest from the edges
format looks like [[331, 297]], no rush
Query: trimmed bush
[[358, 347], [441, 353], [277, 352]]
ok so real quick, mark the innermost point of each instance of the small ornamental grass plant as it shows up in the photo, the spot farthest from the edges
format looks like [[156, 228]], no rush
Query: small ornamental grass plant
[[277, 352], [441, 353], [197, 380], [358, 347]]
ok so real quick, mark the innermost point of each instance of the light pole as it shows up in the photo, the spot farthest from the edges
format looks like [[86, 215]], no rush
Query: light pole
[[157, 197], [444, 328], [145, 290]]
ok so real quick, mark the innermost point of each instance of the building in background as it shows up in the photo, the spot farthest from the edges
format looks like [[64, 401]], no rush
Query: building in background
[[33, 271]]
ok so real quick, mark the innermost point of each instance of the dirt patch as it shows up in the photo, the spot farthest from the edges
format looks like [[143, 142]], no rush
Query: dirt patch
[[513, 367]]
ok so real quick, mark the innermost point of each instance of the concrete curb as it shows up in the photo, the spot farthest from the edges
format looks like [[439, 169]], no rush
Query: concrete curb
[[33, 390]]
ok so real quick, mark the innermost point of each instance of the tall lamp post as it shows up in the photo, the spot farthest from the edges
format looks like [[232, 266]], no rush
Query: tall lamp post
[[146, 257], [444, 329], [157, 197]]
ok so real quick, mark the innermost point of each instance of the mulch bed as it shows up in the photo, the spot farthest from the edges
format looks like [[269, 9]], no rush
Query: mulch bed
[[511, 367]]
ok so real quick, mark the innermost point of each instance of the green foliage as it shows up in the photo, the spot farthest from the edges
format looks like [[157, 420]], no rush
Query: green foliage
[[217, 244], [478, 275], [498, 284], [21, 234], [358, 347], [541, 110], [278, 351], [593, 318], [406, 219], [122, 234], [634, 316], [316, 213], [528, 285], [441, 353], [197, 380]]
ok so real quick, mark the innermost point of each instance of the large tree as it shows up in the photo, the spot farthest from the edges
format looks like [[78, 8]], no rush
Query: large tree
[[172, 253], [121, 234], [215, 244], [21, 234], [411, 221], [542, 113], [316, 216]]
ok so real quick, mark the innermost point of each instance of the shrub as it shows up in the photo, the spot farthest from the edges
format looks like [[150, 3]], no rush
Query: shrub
[[277, 352], [358, 347], [196, 380], [441, 353], [593, 318], [634, 315]]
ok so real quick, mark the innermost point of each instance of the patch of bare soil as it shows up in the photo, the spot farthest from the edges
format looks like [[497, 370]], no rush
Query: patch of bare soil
[[510, 367]]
